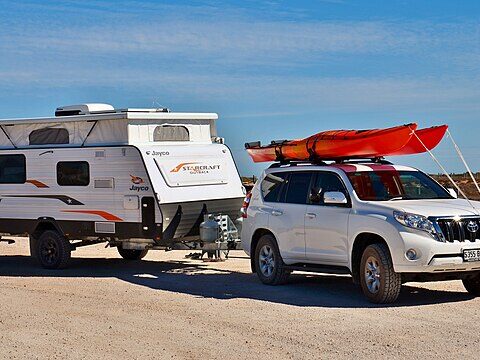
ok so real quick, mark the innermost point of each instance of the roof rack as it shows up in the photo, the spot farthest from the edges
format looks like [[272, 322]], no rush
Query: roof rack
[[375, 160], [295, 163]]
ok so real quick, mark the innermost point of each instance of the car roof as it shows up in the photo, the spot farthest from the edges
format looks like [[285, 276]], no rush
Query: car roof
[[343, 167]]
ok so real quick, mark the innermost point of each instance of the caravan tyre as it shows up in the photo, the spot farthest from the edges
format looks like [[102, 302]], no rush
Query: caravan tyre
[[130, 254], [53, 251]]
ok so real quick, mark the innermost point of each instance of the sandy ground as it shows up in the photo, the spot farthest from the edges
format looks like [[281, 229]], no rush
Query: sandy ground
[[168, 307]]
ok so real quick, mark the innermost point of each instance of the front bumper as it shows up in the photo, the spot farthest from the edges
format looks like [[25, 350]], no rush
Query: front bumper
[[434, 256]]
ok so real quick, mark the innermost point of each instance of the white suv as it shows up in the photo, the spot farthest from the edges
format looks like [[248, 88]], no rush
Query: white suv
[[384, 224]]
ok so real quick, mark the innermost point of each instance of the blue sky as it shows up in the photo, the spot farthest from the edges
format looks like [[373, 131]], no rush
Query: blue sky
[[271, 69]]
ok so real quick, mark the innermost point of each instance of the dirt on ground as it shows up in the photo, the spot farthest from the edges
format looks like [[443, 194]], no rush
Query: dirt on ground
[[464, 182], [168, 307]]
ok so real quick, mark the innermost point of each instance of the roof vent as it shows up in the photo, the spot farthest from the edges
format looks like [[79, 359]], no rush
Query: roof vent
[[84, 109]]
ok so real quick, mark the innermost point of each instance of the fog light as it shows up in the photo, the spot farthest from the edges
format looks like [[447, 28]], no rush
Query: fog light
[[411, 254]]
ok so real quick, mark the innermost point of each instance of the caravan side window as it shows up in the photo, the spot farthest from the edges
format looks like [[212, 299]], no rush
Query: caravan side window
[[13, 169], [49, 136], [171, 133], [73, 173]]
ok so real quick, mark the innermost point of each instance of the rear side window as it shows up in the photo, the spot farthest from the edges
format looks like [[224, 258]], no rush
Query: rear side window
[[171, 133], [271, 186], [73, 173], [298, 186], [49, 136], [12, 169]]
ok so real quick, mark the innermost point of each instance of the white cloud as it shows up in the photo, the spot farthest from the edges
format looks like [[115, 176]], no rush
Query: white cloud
[[237, 39], [203, 55]]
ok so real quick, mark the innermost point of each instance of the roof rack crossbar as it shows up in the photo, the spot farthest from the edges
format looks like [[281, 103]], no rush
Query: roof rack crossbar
[[322, 162]]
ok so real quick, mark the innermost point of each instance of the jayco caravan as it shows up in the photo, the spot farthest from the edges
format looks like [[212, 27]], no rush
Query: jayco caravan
[[138, 179]]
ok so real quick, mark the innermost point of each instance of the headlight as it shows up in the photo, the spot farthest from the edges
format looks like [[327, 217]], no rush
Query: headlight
[[414, 221]]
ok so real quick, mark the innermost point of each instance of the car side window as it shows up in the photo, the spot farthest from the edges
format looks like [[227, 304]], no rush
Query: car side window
[[325, 182], [271, 186], [297, 188]]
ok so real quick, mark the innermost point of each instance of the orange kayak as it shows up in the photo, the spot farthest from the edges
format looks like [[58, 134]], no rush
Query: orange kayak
[[430, 137], [336, 144]]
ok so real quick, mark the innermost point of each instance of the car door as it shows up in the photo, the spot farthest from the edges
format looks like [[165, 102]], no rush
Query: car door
[[326, 225], [287, 212]]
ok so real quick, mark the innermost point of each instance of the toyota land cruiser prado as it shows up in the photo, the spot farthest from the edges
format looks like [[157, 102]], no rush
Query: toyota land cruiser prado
[[384, 224]]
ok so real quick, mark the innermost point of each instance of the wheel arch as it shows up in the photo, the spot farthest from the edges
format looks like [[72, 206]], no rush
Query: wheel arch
[[253, 245], [361, 242], [44, 224]]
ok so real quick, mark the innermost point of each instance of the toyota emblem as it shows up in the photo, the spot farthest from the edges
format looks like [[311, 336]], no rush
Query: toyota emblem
[[472, 226]]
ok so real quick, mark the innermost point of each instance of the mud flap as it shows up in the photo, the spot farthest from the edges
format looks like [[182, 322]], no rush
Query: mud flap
[[195, 230], [169, 232]]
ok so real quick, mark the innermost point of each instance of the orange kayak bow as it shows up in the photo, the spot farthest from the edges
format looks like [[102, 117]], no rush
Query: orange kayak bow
[[430, 137]]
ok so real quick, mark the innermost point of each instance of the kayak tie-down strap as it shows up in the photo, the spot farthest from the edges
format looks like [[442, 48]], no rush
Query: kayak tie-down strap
[[457, 149], [445, 172]]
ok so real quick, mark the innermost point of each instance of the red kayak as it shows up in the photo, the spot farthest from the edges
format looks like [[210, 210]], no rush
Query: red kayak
[[430, 137], [338, 144], [335, 144]]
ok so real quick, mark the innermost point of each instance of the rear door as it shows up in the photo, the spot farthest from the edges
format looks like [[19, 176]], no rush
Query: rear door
[[326, 224], [286, 211]]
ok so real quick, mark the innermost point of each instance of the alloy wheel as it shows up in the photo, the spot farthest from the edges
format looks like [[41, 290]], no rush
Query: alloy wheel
[[267, 260], [372, 274]]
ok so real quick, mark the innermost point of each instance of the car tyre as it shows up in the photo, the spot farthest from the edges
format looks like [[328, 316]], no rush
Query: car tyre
[[132, 254], [52, 250], [379, 282], [269, 265], [472, 285]]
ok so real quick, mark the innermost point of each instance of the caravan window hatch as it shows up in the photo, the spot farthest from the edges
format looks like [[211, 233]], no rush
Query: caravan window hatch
[[171, 133], [73, 173], [47, 136], [12, 169]]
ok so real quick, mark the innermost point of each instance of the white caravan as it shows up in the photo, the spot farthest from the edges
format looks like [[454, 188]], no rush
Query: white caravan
[[138, 179]]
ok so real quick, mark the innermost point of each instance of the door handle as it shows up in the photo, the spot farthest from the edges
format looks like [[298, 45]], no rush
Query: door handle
[[311, 215], [276, 212]]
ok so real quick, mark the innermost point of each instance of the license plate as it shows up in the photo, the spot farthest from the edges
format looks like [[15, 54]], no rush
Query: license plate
[[471, 255]]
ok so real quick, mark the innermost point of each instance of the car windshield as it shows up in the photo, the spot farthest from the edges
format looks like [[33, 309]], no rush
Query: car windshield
[[395, 185]]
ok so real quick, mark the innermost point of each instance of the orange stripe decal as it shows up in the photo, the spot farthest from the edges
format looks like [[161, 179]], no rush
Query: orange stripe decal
[[179, 166], [103, 214], [37, 183]]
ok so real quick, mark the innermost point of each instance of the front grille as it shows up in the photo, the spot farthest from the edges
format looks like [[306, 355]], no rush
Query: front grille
[[463, 229]]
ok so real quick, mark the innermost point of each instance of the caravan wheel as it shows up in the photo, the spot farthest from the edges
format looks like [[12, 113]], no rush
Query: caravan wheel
[[53, 251], [130, 254]]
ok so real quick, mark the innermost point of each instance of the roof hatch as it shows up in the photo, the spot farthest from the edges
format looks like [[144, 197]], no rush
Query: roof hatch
[[84, 109]]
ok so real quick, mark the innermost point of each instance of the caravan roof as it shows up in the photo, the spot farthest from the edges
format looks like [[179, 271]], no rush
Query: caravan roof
[[129, 113], [101, 124]]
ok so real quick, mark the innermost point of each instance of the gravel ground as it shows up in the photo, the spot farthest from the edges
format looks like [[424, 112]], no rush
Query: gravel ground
[[167, 307]]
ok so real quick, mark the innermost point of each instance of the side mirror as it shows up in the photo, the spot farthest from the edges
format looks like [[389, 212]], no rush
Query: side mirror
[[334, 197], [452, 192]]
